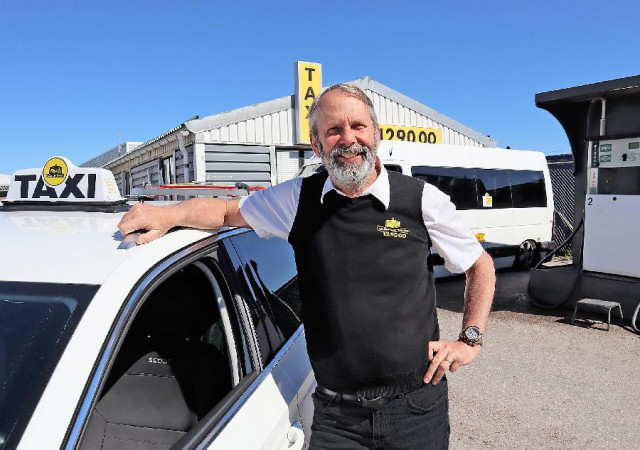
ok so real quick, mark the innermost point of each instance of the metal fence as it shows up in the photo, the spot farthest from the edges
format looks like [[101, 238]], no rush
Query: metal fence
[[563, 181]]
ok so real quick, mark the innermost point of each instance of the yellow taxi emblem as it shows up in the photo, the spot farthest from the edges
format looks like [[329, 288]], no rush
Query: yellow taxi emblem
[[55, 171], [392, 228], [393, 223]]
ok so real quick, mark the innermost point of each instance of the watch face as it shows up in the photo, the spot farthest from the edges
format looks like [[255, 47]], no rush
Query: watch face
[[472, 333]]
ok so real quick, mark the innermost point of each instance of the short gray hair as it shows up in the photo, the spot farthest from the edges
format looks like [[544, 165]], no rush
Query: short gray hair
[[347, 89]]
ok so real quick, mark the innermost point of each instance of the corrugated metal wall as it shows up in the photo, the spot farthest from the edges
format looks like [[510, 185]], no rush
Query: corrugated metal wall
[[179, 160], [278, 128], [229, 164], [148, 172], [288, 164], [393, 113], [119, 179], [269, 129]]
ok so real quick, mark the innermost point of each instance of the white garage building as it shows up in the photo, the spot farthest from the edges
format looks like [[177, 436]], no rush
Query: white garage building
[[258, 144]]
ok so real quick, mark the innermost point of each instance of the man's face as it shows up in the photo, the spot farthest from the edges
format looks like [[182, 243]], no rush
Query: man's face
[[346, 141]]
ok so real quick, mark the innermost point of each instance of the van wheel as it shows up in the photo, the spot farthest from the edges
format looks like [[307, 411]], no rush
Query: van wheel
[[528, 255]]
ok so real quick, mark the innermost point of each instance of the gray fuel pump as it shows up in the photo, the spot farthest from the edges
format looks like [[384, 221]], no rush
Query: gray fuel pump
[[602, 122]]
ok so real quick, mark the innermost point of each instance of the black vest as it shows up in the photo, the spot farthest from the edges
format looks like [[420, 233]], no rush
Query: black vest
[[367, 287]]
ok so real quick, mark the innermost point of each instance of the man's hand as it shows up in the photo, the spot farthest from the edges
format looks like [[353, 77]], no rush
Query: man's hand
[[447, 355], [478, 295], [156, 221], [202, 213]]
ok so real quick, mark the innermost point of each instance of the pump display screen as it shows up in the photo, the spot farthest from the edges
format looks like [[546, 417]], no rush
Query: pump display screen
[[634, 145]]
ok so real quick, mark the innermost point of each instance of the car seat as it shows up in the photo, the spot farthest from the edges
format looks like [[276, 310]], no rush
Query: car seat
[[166, 375]]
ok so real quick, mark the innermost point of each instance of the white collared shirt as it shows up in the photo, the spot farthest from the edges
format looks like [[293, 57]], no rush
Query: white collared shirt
[[271, 212]]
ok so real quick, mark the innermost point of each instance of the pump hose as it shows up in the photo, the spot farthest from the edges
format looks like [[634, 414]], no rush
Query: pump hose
[[546, 258], [634, 318], [566, 241]]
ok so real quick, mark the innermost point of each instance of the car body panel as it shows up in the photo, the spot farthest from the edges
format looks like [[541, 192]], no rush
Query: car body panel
[[276, 390], [86, 248], [73, 246], [57, 405]]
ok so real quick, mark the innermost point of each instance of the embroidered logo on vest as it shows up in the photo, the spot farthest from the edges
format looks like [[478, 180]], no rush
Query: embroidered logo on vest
[[392, 228]]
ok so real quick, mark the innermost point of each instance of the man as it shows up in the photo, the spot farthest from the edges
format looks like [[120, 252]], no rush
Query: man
[[361, 237]]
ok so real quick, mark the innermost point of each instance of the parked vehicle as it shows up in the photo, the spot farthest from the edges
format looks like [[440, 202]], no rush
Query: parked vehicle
[[193, 340]]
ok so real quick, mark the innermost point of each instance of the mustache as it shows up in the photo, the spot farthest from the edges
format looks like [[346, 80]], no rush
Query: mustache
[[355, 149]]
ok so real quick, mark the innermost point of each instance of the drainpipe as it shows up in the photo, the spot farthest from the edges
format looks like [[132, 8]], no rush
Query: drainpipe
[[181, 134], [603, 117]]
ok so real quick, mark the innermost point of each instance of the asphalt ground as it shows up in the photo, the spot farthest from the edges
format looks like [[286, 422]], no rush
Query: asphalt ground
[[539, 381]]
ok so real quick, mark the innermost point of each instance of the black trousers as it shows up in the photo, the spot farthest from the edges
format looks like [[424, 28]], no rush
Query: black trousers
[[417, 420]]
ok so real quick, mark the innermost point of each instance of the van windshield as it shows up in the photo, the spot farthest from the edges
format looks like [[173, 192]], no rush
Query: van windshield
[[36, 323]]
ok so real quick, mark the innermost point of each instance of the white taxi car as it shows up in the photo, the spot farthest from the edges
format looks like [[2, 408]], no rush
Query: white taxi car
[[192, 341]]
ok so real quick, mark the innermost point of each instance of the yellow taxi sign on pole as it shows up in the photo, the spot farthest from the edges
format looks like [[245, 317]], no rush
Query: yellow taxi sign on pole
[[308, 84]]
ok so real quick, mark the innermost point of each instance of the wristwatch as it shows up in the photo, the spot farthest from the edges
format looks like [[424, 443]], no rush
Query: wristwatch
[[471, 336]]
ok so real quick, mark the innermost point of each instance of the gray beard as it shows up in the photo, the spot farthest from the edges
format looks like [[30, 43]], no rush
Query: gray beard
[[350, 176]]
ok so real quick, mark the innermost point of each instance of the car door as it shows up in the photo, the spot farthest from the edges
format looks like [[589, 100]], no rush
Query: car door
[[266, 287], [178, 362], [197, 361]]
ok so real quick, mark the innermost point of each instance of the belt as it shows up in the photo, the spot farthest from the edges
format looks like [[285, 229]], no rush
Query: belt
[[367, 402]]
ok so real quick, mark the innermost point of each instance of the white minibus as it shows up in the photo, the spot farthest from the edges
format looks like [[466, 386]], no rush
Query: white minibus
[[504, 195]]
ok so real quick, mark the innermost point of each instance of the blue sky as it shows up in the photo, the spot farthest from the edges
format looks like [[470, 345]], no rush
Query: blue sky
[[77, 76]]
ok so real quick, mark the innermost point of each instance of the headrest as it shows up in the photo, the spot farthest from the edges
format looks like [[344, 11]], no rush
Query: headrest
[[184, 305]]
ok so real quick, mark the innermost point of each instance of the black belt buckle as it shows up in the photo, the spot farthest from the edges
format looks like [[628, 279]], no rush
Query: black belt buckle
[[366, 402], [375, 402]]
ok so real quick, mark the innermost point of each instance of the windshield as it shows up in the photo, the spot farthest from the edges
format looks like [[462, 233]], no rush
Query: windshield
[[36, 322]]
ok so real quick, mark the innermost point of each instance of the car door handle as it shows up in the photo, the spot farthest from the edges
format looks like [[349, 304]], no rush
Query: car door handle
[[294, 440]]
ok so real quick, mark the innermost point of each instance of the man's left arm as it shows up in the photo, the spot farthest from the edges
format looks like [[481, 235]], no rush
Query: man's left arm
[[478, 296]]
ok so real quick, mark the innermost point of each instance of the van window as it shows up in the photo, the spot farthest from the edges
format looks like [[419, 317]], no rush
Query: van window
[[528, 189], [496, 183], [458, 183]]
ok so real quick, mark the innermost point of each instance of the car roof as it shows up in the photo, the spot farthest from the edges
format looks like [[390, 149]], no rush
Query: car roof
[[77, 247]]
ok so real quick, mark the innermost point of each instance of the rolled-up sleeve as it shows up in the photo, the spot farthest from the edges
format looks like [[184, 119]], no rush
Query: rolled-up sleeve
[[271, 212], [450, 235]]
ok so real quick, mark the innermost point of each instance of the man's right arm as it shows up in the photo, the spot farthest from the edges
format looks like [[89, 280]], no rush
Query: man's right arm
[[204, 213]]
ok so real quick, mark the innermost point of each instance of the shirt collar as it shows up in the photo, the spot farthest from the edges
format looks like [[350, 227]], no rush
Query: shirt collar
[[379, 189]]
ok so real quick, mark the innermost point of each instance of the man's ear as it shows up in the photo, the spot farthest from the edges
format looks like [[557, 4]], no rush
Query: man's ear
[[314, 146]]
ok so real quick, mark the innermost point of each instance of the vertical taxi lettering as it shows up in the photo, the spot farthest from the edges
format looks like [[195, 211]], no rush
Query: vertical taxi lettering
[[71, 186], [42, 190], [24, 184]]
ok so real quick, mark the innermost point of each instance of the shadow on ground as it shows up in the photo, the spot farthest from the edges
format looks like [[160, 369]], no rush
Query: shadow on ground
[[511, 295], [512, 301]]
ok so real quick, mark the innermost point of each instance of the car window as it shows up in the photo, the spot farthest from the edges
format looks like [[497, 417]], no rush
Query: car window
[[177, 361], [267, 337], [393, 168], [36, 323], [271, 277]]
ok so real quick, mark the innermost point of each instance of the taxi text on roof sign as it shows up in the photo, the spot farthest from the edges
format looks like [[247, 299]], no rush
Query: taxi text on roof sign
[[62, 182]]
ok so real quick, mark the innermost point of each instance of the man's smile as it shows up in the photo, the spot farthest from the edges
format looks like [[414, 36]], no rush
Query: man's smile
[[350, 158]]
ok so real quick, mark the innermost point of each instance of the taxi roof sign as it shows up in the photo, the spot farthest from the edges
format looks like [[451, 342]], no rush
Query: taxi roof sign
[[61, 182]]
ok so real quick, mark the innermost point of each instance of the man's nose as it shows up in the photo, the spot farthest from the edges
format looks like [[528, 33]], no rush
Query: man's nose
[[348, 137]]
